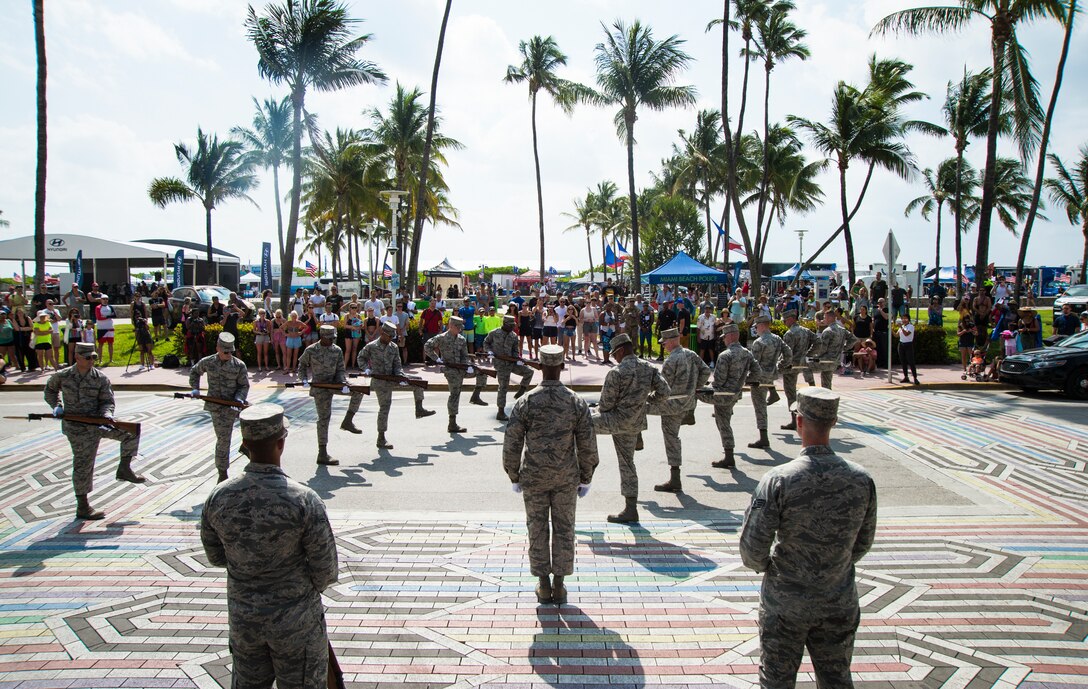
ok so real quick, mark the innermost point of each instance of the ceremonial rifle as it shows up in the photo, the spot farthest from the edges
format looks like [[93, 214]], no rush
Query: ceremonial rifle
[[336, 387], [214, 400], [517, 360], [490, 372], [126, 426], [414, 382]]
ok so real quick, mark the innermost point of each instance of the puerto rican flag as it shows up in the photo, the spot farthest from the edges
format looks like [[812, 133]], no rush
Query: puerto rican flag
[[621, 253], [311, 269], [387, 272]]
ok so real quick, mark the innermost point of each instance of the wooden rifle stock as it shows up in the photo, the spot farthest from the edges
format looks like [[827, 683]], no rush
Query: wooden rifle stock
[[336, 387], [516, 360], [489, 372], [335, 679], [414, 382], [126, 426], [214, 400]]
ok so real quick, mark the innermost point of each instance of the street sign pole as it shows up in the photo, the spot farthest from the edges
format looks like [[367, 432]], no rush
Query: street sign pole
[[891, 253]]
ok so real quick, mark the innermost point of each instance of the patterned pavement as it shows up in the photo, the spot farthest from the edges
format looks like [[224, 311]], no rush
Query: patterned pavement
[[994, 597]]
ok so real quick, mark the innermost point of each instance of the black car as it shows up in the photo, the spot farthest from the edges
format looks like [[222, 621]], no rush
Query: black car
[[1063, 366]]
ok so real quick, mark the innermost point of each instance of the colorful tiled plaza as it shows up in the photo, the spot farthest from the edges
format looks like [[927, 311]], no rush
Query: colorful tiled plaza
[[953, 596]]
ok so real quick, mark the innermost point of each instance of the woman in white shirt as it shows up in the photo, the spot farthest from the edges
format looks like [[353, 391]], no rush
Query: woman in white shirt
[[590, 317], [705, 326]]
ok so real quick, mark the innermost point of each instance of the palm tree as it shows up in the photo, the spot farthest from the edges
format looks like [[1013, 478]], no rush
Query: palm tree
[[3, 223], [306, 44], [540, 58], [425, 165], [603, 205], [39, 178], [940, 188], [269, 142], [583, 220], [1069, 190], [214, 172], [699, 160], [635, 70], [1012, 194], [1011, 77]]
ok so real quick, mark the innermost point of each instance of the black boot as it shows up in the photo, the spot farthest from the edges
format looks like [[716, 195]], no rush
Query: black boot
[[763, 443], [421, 412], [453, 427], [347, 425], [222, 476], [673, 484], [125, 472], [521, 391], [689, 419], [629, 515], [638, 442], [544, 590], [383, 444], [501, 416], [792, 425], [323, 457], [85, 511], [475, 399], [772, 395], [727, 462], [559, 591]]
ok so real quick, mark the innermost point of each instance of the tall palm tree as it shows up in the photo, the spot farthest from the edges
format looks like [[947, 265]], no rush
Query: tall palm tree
[[306, 44], [583, 220], [940, 188], [699, 161], [214, 172], [603, 202], [1011, 77], [1012, 194], [269, 142], [1069, 191], [540, 59], [425, 165], [39, 178], [635, 70]]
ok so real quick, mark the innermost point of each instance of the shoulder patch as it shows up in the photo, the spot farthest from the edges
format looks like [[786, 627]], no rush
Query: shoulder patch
[[758, 504]]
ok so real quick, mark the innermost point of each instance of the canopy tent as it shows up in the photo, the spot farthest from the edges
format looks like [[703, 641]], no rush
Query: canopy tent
[[443, 270], [104, 261], [529, 277], [249, 279], [444, 279], [947, 275], [682, 268], [791, 274]]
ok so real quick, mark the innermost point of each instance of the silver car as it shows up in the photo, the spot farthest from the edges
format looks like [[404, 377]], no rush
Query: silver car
[[1076, 296]]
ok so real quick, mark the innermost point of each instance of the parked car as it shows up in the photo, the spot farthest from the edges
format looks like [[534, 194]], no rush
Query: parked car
[[200, 295], [1076, 296], [1063, 366]]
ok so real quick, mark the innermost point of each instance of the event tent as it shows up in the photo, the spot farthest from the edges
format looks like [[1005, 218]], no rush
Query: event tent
[[249, 279], [529, 277], [791, 274], [684, 269], [947, 275], [442, 277]]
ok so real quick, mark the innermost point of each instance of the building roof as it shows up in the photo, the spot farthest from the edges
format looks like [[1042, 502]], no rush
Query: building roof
[[192, 249]]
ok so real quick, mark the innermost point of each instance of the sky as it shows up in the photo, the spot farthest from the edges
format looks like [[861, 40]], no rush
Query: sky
[[129, 78]]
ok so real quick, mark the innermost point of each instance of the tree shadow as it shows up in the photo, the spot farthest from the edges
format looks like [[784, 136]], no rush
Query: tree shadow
[[654, 555], [325, 483], [389, 464], [75, 537], [558, 657]]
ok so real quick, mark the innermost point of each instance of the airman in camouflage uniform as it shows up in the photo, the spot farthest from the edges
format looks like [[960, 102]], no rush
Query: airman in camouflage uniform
[[228, 379], [382, 356], [809, 523], [685, 373], [553, 426], [504, 341], [630, 319], [273, 536], [622, 414], [323, 362], [451, 346], [799, 339], [770, 352], [83, 390], [832, 342], [732, 369]]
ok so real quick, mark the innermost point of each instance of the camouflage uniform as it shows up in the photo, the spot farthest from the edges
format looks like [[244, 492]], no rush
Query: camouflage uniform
[[382, 359], [731, 370], [621, 412], [506, 343], [89, 394], [554, 427], [768, 350], [799, 339], [274, 538], [829, 347], [227, 380], [819, 511], [630, 322], [321, 364], [454, 349], [685, 373]]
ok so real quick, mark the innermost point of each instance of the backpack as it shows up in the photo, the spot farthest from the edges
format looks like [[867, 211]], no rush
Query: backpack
[[171, 361]]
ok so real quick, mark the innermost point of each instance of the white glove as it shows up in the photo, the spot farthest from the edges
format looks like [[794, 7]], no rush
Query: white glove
[[305, 383], [520, 362], [239, 400], [403, 384], [108, 417], [366, 372], [516, 487], [346, 390], [194, 393], [58, 411], [469, 371], [583, 490], [439, 361]]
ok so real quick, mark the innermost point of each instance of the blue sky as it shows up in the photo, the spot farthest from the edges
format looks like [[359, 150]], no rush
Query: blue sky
[[129, 78]]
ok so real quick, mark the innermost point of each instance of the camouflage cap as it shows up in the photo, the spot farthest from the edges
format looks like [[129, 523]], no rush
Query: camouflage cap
[[509, 320], [730, 329], [225, 342], [789, 313], [458, 321], [327, 331], [86, 350], [665, 335], [551, 355], [621, 340], [389, 329], [263, 421], [762, 319], [817, 404]]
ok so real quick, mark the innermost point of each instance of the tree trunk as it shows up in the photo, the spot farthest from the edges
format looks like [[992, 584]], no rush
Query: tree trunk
[[604, 257], [1041, 170], [279, 210], [989, 177], [417, 225], [539, 190], [834, 235], [637, 284], [589, 253], [937, 255], [1084, 256], [845, 228], [287, 270], [959, 224], [710, 252], [42, 154], [208, 229]]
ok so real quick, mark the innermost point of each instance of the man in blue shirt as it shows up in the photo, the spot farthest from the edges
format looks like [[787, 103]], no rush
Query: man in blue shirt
[[468, 314], [1066, 322]]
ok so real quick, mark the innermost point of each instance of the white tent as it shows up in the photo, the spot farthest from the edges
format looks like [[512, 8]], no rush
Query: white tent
[[249, 279]]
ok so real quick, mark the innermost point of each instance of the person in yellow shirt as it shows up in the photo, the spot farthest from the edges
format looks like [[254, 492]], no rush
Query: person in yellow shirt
[[42, 329]]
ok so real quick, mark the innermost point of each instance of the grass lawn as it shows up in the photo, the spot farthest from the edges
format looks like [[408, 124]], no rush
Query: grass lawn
[[123, 341], [952, 319]]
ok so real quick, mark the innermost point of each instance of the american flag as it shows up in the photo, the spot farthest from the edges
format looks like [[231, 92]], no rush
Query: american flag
[[388, 272], [311, 269]]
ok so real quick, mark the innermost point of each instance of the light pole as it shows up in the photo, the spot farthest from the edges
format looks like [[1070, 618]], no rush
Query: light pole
[[800, 255], [392, 197]]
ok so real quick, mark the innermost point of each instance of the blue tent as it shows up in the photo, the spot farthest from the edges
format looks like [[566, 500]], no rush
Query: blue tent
[[791, 273], [684, 269]]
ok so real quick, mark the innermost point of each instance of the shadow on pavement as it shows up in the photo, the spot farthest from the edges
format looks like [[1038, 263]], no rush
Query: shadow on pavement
[[654, 555], [559, 666], [389, 464], [325, 483], [467, 444], [70, 539]]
